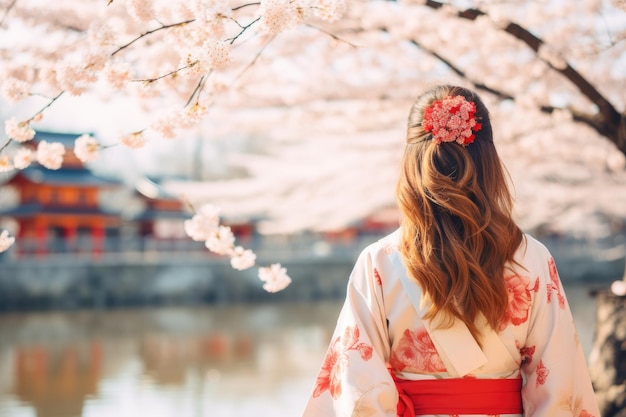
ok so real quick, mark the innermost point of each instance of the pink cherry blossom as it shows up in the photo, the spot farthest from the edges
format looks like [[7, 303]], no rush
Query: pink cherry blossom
[[5, 163], [19, 131], [165, 125], [217, 53], [242, 258], [330, 10], [222, 241], [204, 224], [50, 155], [140, 10], [23, 158], [14, 90], [275, 278], [74, 77], [117, 74], [86, 148], [278, 15], [134, 140]]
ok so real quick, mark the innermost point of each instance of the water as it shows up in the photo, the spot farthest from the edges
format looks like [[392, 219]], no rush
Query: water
[[176, 362]]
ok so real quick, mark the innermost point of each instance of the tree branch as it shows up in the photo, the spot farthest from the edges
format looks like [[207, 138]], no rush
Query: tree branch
[[478, 85], [198, 89], [332, 35], [33, 117], [52, 100], [151, 80], [162, 27], [246, 5], [608, 122], [3, 147], [243, 29]]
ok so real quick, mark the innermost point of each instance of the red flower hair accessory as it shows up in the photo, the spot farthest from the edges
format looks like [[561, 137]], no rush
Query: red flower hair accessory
[[451, 119]]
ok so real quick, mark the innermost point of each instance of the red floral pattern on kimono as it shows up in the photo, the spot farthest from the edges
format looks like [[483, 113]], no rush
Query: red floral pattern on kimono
[[542, 373], [527, 354], [379, 281], [416, 353], [337, 360], [519, 300], [554, 284]]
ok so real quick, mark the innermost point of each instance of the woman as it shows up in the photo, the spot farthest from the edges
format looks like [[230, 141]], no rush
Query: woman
[[457, 312]]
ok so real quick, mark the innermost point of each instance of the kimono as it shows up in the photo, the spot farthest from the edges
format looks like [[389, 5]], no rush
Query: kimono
[[381, 337]]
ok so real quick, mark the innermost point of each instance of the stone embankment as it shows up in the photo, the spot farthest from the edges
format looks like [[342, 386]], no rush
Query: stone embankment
[[319, 271]]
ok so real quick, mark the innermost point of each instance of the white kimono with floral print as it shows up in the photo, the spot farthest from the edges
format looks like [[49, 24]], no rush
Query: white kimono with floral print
[[379, 330]]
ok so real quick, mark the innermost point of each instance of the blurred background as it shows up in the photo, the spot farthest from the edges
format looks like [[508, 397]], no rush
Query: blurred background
[[107, 307]]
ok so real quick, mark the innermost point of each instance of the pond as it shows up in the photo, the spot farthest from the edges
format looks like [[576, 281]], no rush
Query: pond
[[217, 361]]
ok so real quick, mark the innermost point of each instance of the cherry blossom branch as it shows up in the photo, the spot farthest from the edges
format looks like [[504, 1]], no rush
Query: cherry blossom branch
[[52, 100], [4, 146], [332, 35], [33, 117], [608, 122], [478, 85], [151, 80], [234, 9], [243, 29], [150, 32], [196, 92]]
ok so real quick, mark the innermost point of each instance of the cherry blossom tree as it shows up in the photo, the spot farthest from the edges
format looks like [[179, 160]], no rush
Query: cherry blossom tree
[[326, 86]]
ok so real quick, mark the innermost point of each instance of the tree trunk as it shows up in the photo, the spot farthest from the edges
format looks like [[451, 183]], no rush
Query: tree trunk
[[607, 361]]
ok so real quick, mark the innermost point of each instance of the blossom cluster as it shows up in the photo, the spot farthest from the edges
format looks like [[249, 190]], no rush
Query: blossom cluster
[[50, 154], [19, 131], [204, 34], [86, 148], [451, 119], [207, 29], [205, 226], [275, 278]]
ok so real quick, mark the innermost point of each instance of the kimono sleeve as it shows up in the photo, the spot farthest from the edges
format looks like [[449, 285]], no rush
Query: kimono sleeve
[[354, 379], [557, 381]]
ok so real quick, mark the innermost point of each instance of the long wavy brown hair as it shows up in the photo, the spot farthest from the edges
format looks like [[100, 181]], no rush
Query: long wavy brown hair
[[458, 234]]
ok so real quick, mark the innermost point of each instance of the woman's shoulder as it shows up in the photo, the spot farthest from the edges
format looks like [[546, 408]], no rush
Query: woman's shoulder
[[531, 247], [386, 245], [532, 255]]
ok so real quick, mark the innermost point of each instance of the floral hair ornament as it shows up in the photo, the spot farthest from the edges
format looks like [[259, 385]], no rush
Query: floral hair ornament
[[451, 119]]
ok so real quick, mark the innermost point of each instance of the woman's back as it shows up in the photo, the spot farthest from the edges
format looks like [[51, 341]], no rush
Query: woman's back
[[382, 339], [458, 312]]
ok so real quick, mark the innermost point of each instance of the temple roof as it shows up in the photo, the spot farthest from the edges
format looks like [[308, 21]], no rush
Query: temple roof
[[67, 139], [65, 176], [30, 209]]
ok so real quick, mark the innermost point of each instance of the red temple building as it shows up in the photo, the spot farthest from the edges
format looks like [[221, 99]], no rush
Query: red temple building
[[59, 210]]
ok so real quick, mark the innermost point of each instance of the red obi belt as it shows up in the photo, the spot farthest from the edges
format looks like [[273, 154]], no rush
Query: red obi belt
[[459, 396]]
